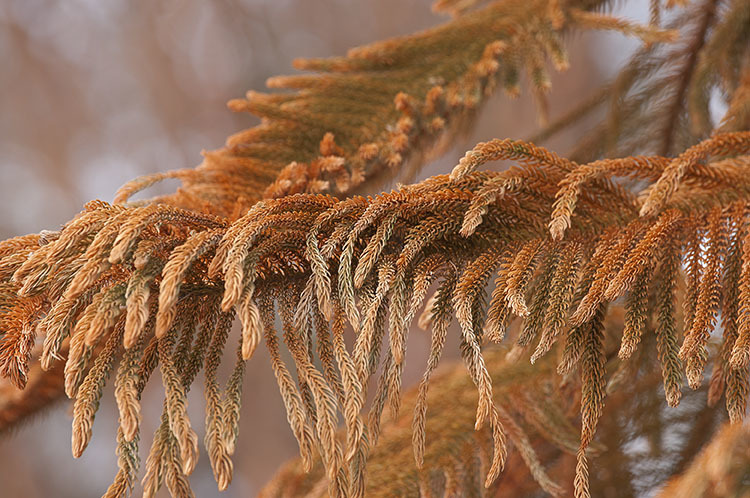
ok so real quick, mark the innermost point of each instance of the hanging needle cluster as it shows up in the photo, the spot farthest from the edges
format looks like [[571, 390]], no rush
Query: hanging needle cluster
[[543, 414], [330, 286], [530, 405]]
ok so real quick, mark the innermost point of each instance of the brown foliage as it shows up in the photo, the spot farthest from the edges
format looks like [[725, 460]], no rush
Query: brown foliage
[[141, 285]]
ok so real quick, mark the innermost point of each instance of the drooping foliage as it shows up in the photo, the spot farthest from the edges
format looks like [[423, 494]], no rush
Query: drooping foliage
[[537, 409], [650, 214]]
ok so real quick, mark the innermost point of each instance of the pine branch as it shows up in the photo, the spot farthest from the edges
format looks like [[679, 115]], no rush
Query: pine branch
[[163, 280], [273, 247], [383, 108]]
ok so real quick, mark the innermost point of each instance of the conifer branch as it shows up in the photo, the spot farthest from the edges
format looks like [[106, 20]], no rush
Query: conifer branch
[[158, 283]]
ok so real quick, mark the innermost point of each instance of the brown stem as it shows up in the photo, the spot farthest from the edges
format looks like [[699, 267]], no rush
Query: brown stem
[[708, 15]]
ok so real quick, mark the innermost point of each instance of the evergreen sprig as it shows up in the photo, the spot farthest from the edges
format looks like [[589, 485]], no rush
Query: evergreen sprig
[[138, 286]]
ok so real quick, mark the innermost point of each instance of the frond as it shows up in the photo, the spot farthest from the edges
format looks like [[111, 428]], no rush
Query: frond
[[255, 233], [383, 108]]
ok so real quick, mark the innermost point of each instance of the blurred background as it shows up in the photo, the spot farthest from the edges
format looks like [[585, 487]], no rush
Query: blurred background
[[96, 93]]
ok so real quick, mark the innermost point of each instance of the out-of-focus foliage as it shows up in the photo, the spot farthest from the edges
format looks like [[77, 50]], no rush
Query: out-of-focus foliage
[[721, 469]]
